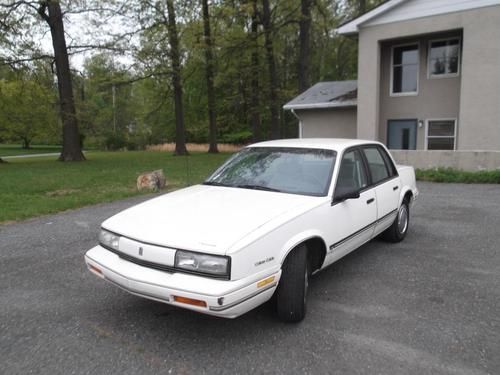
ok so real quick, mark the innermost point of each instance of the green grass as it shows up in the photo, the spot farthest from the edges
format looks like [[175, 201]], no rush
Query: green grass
[[13, 150], [453, 175], [35, 186]]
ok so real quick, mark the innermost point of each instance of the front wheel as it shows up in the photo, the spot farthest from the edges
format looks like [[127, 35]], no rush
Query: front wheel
[[291, 294], [397, 231]]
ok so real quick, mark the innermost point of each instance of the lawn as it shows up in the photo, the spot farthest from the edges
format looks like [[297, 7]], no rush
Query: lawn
[[35, 186], [14, 150]]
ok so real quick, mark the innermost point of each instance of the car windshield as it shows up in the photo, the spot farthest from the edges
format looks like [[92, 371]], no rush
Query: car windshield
[[289, 170]]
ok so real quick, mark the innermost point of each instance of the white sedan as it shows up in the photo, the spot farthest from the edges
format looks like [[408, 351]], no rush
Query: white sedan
[[271, 216]]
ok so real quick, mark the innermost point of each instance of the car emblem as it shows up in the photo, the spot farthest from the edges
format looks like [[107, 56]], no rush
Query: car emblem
[[140, 251]]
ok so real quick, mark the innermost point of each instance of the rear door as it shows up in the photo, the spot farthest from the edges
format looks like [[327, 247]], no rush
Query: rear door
[[386, 184]]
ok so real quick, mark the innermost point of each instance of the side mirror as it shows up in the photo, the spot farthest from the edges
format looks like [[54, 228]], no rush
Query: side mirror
[[337, 198]]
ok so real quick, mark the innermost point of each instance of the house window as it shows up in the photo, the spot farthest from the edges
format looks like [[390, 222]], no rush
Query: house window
[[441, 134], [404, 70], [444, 58]]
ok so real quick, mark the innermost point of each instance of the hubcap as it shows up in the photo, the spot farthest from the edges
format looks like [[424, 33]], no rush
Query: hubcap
[[403, 219]]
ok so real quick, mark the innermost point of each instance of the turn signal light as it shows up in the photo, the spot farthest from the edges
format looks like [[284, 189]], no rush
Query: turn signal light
[[264, 282], [95, 269], [190, 301]]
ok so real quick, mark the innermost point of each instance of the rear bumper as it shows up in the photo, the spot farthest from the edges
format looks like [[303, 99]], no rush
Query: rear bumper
[[223, 298]]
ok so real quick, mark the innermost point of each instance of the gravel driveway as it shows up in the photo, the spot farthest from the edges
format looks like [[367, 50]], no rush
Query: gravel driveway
[[428, 305]]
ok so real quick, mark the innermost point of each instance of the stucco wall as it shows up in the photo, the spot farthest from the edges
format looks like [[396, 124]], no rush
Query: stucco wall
[[328, 123], [436, 98], [479, 113], [464, 160]]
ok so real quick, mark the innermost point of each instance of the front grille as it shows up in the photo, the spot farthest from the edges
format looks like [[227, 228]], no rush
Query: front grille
[[141, 262], [161, 267]]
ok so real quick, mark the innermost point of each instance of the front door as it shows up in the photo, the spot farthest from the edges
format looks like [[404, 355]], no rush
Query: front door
[[352, 220], [402, 135]]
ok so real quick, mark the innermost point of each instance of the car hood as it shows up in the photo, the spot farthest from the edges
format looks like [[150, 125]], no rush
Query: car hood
[[205, 218]]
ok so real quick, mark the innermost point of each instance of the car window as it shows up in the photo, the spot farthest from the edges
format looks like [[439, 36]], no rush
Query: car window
[[352, 175], [376, 164], [284, 169]]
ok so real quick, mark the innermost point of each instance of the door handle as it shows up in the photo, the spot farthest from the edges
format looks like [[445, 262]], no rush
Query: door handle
[[395, 188], [371, 200]]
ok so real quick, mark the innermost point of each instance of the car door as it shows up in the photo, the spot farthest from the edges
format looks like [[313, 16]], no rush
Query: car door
[[352, 220], [386, 184]]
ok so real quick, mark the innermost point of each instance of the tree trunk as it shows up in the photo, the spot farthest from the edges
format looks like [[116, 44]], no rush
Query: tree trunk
[[26, 143], [50, 11], [273, 76], [305, 29], [180, 131], [209, 61], [254, 84]]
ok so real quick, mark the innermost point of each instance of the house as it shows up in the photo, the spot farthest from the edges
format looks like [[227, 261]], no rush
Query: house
[[428, 84]]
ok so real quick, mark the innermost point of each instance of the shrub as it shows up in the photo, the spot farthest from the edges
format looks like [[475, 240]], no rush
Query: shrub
[[458, 176]]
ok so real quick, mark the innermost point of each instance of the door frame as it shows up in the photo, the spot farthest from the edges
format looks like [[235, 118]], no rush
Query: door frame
[[402, 119]]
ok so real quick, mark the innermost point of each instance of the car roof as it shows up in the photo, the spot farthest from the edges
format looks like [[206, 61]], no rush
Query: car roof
[[337, 144]]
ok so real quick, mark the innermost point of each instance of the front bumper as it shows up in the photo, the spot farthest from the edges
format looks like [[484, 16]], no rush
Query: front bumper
[[223, 298]]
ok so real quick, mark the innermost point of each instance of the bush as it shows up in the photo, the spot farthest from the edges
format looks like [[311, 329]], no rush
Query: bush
[[114, 142], [238, 138], [458, 176]]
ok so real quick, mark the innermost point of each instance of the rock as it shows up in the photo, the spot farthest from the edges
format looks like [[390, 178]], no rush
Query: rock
[[152, 181]]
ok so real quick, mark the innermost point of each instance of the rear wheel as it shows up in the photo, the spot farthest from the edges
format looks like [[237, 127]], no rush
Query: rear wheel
[[397, 231], [291, 295]]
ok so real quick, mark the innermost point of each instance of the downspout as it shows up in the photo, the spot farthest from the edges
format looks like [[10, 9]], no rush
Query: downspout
[[300, 122]]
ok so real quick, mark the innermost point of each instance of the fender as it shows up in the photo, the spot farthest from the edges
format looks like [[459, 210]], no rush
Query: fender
[[296, 240]]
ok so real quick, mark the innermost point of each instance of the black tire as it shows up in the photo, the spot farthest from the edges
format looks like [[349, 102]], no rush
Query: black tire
[[292, 289], [397, 231]]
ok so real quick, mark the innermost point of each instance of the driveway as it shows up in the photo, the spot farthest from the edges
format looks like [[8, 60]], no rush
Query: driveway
[[430, 305]]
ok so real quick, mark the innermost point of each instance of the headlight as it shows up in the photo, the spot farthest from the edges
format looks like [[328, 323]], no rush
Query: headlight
[[109, 239], [202, 263]]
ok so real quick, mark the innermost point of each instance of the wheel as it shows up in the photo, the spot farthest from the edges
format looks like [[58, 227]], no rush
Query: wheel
[[397, 231], [292, 289]]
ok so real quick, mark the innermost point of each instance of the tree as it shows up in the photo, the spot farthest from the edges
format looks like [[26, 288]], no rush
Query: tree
[[50, 11], [271, 64], [255, 92], [209, 65], [180, 132], [27, 111], [304, 35]]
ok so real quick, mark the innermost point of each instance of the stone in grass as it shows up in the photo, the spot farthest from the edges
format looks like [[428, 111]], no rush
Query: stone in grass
[[152, 181]]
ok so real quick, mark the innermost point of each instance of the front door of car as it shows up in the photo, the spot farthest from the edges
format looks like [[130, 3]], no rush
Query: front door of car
[[354, 210]]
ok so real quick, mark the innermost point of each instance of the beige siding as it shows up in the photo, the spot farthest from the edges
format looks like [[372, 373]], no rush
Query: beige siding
[[436, 98], [328, 123], [479, 93]]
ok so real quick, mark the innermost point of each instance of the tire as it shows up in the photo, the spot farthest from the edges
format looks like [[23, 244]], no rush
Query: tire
[[397, 231], [292, 289]]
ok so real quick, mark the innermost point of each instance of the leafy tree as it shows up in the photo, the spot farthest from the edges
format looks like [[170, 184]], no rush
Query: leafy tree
[[27, 111]]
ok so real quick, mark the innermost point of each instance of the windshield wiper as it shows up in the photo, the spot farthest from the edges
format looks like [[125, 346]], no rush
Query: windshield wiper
[[258, 187], [215, 183]]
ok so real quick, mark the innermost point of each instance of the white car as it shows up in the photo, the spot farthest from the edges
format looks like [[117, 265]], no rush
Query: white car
[[271, 216]]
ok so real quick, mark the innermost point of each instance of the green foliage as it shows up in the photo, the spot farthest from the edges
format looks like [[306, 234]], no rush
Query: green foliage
[[36, 186], [129, 106], [27, 111], [458, 176]]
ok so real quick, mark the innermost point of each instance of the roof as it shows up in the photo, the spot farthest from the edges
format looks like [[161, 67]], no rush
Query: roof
[[326, 95], [400, 10], [337, 144]]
